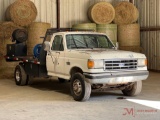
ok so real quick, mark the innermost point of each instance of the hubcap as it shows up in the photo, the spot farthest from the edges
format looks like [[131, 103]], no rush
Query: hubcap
[[77, 87], [18, 75]]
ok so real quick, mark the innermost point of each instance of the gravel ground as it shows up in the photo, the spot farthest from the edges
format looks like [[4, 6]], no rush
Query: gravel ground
[[51, 100]]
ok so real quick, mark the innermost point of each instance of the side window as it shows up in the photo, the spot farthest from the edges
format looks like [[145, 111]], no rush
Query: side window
[[57, 44]]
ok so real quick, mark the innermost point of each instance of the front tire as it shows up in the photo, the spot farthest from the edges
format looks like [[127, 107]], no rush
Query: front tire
[[20, 76], [80, 89], [133, 90]]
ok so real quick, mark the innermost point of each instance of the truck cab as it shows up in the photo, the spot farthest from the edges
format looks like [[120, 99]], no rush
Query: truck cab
[[90, 61]]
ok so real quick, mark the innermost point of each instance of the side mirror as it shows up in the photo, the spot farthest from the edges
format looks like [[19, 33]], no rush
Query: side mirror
[[46, 46]]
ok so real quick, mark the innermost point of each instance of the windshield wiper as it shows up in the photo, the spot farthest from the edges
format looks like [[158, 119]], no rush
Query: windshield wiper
[[78, 47]]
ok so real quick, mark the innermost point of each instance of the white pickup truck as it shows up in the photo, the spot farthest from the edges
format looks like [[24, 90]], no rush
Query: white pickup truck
[[89, 60]]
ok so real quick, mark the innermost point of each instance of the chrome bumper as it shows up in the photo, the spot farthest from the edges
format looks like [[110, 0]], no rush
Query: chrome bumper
[[116, 77]]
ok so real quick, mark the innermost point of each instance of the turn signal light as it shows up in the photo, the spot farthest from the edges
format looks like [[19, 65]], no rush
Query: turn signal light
[[90, 64], [146, 62]]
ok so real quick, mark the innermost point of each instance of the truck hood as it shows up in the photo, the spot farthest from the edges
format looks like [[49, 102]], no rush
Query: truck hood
[[108, 54]]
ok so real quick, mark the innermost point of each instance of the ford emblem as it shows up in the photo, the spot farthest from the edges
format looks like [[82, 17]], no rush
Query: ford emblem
[[121, 65]]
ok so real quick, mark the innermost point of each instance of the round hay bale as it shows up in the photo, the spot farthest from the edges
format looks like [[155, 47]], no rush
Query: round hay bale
[[129, 35], [35, 31], [125, 13], [6, 29], [110, 30], [101, 13], [22, 12], [1, 31], [85, 26]]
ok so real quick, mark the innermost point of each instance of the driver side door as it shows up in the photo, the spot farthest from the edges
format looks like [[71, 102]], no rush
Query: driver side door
[[55, 59]]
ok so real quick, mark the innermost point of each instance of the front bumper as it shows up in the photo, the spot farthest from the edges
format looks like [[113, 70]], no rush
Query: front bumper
[[116, 77]]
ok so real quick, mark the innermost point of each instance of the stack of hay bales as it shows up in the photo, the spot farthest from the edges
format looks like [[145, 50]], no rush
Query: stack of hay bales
[[118, 23], [36, 30], [126, 14], [23, 13], [6, 29], [19, 15], [103, 13]]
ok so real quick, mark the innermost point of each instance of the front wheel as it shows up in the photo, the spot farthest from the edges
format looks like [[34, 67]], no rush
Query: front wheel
[[133, 90], [20, 76], [80, 89]]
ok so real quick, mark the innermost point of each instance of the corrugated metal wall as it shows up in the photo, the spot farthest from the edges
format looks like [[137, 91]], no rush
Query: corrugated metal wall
[[3, 6], [150, 40], [72, 11]]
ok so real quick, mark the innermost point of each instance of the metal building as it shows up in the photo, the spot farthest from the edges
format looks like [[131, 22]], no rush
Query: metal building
[[47, 99]]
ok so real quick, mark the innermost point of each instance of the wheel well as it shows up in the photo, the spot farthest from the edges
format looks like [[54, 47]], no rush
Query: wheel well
[[75, 70], [21, 64]]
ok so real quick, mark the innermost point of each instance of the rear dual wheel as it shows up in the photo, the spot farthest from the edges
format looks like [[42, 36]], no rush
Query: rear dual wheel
[[20, 76]]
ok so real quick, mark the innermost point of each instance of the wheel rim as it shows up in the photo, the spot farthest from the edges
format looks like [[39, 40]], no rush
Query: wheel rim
[[18, 75], [77, 87]]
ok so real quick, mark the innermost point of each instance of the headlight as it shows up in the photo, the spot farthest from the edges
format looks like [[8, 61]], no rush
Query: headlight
[[95, 64], [142, 62]]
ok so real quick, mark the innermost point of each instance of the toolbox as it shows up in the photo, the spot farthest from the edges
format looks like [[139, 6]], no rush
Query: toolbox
[[19, 49]]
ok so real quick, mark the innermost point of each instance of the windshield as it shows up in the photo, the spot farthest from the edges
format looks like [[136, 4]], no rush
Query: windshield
[[82, 41]]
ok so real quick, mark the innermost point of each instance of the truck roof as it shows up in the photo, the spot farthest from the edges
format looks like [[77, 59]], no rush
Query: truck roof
[[80, 32], [70, 31]]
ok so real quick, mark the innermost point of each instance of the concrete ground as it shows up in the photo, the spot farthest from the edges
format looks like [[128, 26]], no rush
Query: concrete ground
[[51, 100]]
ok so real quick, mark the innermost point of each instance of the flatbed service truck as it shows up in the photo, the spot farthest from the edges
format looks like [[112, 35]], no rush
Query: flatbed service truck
[[88, 60]]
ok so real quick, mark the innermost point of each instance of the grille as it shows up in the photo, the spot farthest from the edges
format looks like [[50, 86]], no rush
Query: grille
[[120, 64]]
